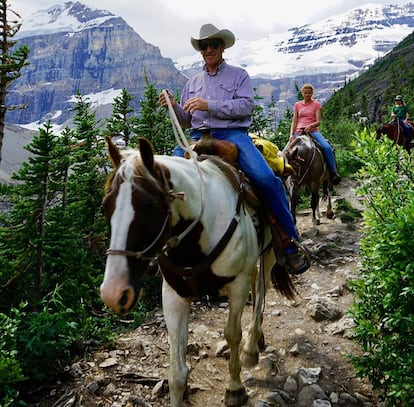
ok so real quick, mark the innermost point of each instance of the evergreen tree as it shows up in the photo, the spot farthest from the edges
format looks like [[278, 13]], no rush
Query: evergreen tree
[[262, 123], [123, 121], [153, 122], [89, 168], [22, 242], [282, 132], [12, 60]]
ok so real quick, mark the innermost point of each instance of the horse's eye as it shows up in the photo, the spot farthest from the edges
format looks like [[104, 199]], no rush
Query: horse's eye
[[148, 208]]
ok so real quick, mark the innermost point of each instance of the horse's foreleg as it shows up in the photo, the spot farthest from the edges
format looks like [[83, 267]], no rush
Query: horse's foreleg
[[235, 394], [255, 338], [176, 313], [316, 214]]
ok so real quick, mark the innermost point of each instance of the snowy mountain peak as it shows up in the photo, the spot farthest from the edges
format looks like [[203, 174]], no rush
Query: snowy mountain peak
[[63, 17], [345, 43]]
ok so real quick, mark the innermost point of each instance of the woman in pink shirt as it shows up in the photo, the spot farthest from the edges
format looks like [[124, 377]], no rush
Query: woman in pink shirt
[[307, 114]]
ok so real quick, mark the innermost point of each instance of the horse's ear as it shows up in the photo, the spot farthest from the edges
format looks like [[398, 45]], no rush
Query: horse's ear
[[113, 151], [147, 152]]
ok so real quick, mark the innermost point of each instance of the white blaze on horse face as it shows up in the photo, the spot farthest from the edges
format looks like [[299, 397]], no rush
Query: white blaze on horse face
[[116, 278]]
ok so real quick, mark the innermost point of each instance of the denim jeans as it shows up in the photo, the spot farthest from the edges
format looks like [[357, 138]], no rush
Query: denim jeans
[[326, 150], [253, 164]]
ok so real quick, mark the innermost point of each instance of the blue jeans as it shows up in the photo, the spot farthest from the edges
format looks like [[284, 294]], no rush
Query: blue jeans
[[408, 130], [253, 164], [326, 150]]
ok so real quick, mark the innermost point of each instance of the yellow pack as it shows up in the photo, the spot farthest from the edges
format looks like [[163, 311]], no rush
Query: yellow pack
[[273, 157]]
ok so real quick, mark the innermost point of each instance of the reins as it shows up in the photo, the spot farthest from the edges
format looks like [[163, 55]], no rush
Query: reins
[[185, 145]]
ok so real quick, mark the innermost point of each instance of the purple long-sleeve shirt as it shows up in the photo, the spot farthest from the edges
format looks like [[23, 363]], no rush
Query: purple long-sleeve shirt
[[230, 99]]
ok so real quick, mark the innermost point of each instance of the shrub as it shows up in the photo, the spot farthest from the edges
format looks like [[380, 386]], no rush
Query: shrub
[[383, 308], [10, 369]]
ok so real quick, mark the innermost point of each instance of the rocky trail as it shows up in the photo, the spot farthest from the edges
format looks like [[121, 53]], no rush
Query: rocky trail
[[305, 363]]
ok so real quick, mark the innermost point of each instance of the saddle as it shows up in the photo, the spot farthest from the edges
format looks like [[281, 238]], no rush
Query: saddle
[[224, 154]]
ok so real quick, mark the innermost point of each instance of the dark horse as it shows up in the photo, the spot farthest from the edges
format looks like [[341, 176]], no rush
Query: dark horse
[[191, 217], [307, 159], [396, 132]]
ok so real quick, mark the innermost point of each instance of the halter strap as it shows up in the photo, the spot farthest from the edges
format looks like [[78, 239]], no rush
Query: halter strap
[[140, 254], [167, 223]]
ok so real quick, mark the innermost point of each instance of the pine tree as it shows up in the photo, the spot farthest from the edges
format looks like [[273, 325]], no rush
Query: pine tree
[[89, 168], [262, 123], [153, 122], [123, 122], [12, 60], [22, 242]]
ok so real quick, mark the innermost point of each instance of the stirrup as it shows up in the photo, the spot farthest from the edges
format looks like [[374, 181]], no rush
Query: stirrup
[[302, 249]]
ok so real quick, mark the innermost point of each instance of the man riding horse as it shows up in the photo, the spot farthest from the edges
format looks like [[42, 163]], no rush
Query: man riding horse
[[221, 99]]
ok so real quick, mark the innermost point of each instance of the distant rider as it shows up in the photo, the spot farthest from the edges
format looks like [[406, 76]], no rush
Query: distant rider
[[400, 111], [307, 115]]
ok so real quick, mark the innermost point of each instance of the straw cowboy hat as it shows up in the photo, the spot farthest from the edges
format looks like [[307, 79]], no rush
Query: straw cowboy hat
[[208, 31]]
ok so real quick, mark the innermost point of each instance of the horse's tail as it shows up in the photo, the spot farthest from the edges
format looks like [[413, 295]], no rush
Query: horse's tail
[[282, 282]]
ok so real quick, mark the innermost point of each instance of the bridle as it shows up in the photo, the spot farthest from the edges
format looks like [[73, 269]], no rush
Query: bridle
[[166, 227], [186, 272], [140, 255]]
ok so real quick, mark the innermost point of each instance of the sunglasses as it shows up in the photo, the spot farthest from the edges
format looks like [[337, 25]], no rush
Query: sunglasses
[[215, 43]]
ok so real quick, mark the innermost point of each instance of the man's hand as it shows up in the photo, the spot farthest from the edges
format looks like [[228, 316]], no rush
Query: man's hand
[[194, 104], [164, 102]]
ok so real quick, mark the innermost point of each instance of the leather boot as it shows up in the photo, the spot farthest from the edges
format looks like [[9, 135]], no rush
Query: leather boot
[[335, 178]]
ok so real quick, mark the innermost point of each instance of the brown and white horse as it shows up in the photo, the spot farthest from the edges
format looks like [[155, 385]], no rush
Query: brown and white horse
[[311, 173], [189, 215]]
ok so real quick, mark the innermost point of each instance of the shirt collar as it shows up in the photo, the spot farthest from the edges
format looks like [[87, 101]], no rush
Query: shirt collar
[[222, 65]]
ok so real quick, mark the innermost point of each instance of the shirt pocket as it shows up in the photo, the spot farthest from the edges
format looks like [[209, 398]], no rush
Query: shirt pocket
[[195, 90], [226, 91]]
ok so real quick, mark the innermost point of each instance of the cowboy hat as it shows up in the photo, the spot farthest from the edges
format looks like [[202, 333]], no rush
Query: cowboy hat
[[208, 31], [398, 97]]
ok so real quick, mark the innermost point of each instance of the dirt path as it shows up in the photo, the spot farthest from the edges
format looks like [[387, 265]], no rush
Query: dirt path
[[134, 373]]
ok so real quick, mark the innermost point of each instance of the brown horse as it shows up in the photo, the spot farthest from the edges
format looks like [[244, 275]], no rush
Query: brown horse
[[396, 132], [307, 159]]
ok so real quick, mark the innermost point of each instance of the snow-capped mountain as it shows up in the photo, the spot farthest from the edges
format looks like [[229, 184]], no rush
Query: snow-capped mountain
[[74, 48], [342, 44], [68, 17]]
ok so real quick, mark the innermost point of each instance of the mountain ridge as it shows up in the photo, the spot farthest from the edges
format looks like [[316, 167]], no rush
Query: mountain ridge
[[98, 52]]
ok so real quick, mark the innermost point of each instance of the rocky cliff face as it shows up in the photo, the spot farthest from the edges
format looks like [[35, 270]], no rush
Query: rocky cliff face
[[75, 49]]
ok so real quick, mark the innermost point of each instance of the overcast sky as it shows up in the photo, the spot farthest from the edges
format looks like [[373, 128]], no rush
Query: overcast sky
[[169, 24]]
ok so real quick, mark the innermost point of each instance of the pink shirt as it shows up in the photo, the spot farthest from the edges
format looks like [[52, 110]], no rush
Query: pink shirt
[[306, 114]]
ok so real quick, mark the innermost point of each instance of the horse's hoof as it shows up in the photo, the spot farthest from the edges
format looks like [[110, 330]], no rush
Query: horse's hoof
[[236, 398], [249, 359], [329, 215]]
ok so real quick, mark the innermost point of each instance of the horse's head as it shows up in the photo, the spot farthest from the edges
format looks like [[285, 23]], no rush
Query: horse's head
[[298, 149], [138, 209]]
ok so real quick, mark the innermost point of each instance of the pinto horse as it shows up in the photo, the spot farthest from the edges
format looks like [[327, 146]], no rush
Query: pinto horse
[[311, 172], [396, 132], [194, 220]]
